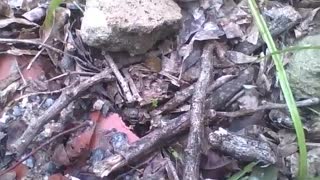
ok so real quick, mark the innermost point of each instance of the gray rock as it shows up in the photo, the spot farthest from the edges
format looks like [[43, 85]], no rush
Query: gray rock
[[129, 25], [304, 69]]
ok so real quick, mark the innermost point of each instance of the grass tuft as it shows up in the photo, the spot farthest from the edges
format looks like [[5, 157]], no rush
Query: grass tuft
[[284, 84]]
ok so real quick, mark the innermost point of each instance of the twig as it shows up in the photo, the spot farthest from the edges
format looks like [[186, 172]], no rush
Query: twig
[[39, 93], [239, 113], [66, 97], [78, 6], [235, 97], [196, 132], [133, 86], [178, 98], [122, 81], [69, 73], [34, 42], [34, 59], [171, 170], [181, 96], [218, 98], [20, 73], [44, 144]]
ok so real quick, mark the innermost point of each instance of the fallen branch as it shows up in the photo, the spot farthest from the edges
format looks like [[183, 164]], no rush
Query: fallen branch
[[133, 87], [196, 132], [66, 97], [164, 136]]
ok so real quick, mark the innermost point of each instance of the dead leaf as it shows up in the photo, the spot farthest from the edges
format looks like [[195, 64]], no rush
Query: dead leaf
[[60, 156], [21, 21], [231, 29], [216, 166], [5, 9], [27, 5], [153, 63], [35, 14], [240, 58], [50, 20], [54, 34]]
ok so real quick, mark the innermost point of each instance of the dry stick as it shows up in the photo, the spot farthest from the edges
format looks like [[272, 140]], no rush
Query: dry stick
[[20, 73], [164, 136], [144, 146], [66, 97], [70, 73], [34, 58], [134, 89], [196, 132], [39, 93], [44, 144], [122, 81], [170, 168], [181, 96]]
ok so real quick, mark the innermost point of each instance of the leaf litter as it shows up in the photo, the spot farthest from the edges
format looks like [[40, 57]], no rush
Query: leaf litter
[[95, 113]]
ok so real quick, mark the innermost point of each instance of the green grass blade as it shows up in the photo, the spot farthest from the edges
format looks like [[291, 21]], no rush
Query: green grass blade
[[266, 35], [245, 170], [290, 49], [48, 23], [50, 13]]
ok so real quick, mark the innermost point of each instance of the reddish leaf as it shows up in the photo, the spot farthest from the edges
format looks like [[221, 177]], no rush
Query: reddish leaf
[[21, 171], [57, 177], [7, 66], [36, 69]]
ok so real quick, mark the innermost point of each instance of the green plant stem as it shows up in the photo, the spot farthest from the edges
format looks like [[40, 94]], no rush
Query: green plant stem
[[265, 33], [246, 169]]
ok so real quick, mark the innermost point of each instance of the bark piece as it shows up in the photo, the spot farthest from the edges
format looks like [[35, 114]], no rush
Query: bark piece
[[242, 148], [196, 134]]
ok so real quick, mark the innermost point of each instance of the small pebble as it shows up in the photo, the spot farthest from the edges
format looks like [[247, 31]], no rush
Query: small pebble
[[34, 98], [119, 141], [17, 111], [97, 155], [48, 103], [51, 168], [30, 162]]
